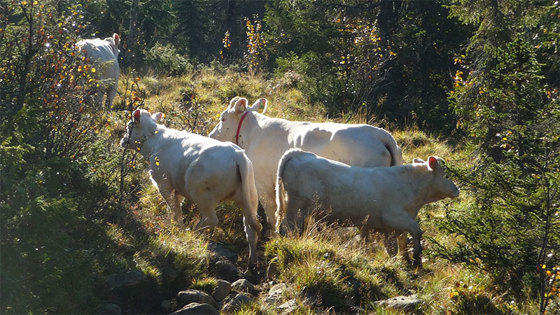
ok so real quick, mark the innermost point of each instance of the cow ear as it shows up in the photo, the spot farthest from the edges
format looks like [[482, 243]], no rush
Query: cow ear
[[232, 102], [260, 102], [116, 39], [418, 161], [158, 117], [136, 116], [433, 162], [241, 105]]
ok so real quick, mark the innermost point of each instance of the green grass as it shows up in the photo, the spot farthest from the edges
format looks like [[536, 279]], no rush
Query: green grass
[[325, 265]]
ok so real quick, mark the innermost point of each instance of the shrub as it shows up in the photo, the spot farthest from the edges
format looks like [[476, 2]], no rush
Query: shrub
[[164, 59]]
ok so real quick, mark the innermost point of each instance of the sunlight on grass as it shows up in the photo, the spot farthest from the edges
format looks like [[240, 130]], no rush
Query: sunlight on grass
[[327, 262]]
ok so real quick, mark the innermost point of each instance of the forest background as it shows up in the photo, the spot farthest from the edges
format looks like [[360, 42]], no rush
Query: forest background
[[475, 80]]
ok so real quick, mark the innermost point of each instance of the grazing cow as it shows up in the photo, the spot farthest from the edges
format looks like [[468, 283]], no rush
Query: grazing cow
[[386, 199], [207, 171], [265, 139], [103, 54]]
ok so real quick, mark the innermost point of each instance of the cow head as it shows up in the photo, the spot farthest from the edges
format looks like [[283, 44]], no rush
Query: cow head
[[114, 41], [139, 128], [226, 129], [440, 186]]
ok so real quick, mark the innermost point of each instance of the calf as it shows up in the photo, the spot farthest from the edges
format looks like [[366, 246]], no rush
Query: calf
[[386, 199], [204, 170], [265, 139], [103, 54]]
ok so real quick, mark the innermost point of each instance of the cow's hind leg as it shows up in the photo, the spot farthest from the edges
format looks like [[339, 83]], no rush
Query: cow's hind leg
[[294, 222], [207, 209], [252, 237]]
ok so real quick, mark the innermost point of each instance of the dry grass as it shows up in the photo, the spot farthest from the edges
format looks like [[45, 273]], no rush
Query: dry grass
[[327, 266]]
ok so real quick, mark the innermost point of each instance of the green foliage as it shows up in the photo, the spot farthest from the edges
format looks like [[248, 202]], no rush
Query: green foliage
[[164, 59], [511, 113], [387, 59]]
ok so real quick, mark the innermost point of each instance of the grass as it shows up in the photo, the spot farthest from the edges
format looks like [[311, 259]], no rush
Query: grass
[[328, 269]]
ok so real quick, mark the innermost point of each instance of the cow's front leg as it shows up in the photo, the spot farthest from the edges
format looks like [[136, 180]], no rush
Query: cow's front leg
[[401, 221]]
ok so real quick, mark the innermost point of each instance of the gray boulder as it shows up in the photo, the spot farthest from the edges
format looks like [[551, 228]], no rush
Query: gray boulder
[[219, 251], [406, 303], [195, 296], [222, 290], [226, 270], [243, 285], [235, 303], [275, 293], [288, 307], [197, 308]]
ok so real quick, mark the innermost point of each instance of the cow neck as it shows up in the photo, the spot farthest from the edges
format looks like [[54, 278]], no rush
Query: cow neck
[[239, 126]]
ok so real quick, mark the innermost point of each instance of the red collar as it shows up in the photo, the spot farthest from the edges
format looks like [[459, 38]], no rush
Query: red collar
[[239, 127]]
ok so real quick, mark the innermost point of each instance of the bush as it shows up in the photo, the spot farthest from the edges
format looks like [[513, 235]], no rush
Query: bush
[[164, 59]]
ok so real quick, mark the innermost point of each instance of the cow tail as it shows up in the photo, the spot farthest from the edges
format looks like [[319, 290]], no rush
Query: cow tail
[[250, 197], [394, 149], [280, 189]]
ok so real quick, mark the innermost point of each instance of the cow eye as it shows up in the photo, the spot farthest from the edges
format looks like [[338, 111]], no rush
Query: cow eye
[[222, 119]]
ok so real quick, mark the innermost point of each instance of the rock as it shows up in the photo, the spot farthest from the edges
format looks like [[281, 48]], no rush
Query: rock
[[226, 270], [167, 306], [222, 290], [243, 285], [110, 308], [190, 296], [251, 275], [275, 293], [272, 271], [219, 251], [287, 307], [235, 303], [197, 308], [129, 278], [406, 303]]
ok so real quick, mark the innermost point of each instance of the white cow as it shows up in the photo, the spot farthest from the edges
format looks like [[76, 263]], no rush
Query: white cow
[[386, 199], [266, 139], [205, 170], [104, 54]]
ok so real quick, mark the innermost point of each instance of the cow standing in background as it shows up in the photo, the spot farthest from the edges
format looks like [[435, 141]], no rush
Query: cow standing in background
[[207, 171], [266, 139], [386, 199], [104, 54]]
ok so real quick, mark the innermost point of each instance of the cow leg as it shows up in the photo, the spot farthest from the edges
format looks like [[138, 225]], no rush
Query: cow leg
[[390, 245], [401, 221], [111, 95], [252, 237], [293, 205], [270, 211], [207, 209], [403, 248], [174, 203]]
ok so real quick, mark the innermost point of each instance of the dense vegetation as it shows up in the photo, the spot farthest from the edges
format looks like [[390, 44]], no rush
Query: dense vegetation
[[476, 82]]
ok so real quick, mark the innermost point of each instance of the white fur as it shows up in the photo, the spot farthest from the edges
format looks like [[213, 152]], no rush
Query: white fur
[[265, 139], [207, 171], [382, 198], [103, 54]]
